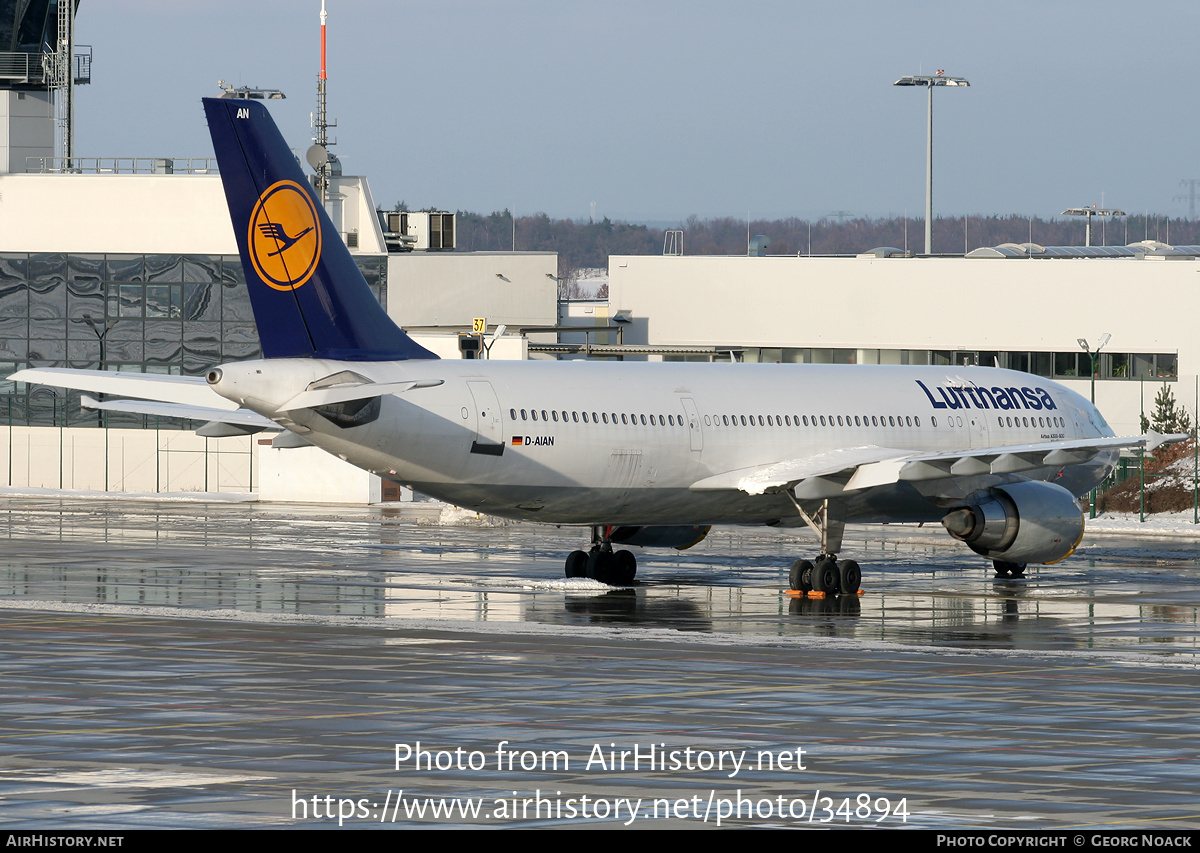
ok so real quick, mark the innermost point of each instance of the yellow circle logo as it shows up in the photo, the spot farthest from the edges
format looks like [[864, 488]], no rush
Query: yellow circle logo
[[285, 236]]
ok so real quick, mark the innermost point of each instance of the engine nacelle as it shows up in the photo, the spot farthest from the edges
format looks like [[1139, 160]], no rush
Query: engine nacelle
[[678, 537], [1028, 522]]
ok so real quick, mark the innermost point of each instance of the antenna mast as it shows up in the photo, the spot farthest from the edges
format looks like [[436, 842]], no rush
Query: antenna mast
[[319, 153]]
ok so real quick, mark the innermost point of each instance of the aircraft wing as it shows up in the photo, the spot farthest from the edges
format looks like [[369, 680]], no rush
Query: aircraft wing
[[828, 475]]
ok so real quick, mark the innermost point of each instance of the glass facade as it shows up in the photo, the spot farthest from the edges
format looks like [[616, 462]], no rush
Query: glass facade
[[175, 314], [1162, 366]]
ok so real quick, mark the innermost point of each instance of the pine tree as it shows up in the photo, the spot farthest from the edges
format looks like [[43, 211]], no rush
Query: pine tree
[[1167, 417]]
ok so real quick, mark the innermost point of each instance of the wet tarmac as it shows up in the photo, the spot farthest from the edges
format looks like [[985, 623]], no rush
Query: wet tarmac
[[220, 664]]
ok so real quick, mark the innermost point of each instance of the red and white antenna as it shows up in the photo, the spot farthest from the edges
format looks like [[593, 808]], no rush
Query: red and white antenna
[[318, 155], [323, 17]]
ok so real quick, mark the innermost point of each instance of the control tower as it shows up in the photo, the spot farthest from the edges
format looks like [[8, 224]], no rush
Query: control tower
[[40, 66]]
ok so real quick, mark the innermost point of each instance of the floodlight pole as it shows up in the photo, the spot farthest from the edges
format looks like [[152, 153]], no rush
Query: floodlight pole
[[939, 79], [1088, 213], [1092, 353], [929, 175]]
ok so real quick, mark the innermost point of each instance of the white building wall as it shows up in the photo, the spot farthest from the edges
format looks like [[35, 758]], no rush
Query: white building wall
[[125, 460], [506, 348], [357, 214], [143, 461], [151, 214], [452, 288], [26, 128], [924, 303], [169, 214], [309, 474]]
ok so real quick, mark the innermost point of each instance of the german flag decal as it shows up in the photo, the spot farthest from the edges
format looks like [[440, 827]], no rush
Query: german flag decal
[[517, 441]]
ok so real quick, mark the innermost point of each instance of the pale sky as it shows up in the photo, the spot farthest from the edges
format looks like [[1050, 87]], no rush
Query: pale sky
[[661, 109]]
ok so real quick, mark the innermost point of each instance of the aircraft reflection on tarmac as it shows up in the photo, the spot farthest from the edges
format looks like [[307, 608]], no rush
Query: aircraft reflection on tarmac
[[365, 562]]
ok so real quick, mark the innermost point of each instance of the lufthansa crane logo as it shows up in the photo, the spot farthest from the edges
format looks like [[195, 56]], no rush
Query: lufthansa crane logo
[[285, 236]]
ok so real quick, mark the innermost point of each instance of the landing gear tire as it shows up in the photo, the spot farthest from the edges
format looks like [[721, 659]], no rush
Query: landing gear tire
[[599, 565], [849, 577], [624, 568], [825, 576], [800, 577], [1003, 569], [577, 564], [616, 568]]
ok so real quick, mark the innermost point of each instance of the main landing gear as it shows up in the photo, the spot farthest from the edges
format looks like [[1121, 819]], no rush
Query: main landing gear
[[827, 576], [602, 563], [1004, 570]]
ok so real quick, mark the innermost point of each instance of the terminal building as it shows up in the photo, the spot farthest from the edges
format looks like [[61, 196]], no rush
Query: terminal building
[[116, 263], [131, 264], [1024, 308]]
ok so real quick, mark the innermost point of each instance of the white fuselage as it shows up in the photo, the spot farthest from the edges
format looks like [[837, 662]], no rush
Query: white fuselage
[[624, 443]]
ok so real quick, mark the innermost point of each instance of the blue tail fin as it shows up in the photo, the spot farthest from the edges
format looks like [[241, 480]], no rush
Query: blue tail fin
[[309, 298]]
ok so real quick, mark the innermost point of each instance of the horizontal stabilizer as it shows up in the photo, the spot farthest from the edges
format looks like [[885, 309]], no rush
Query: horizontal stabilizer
[[216, 429], [187, 390], [345, 393], [288, 440], [240, 417]]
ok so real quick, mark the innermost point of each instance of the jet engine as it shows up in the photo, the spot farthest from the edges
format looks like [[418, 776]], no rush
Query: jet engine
[[1027, 522]]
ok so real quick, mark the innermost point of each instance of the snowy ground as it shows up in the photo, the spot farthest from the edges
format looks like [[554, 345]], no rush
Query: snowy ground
[[1173, 524]]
